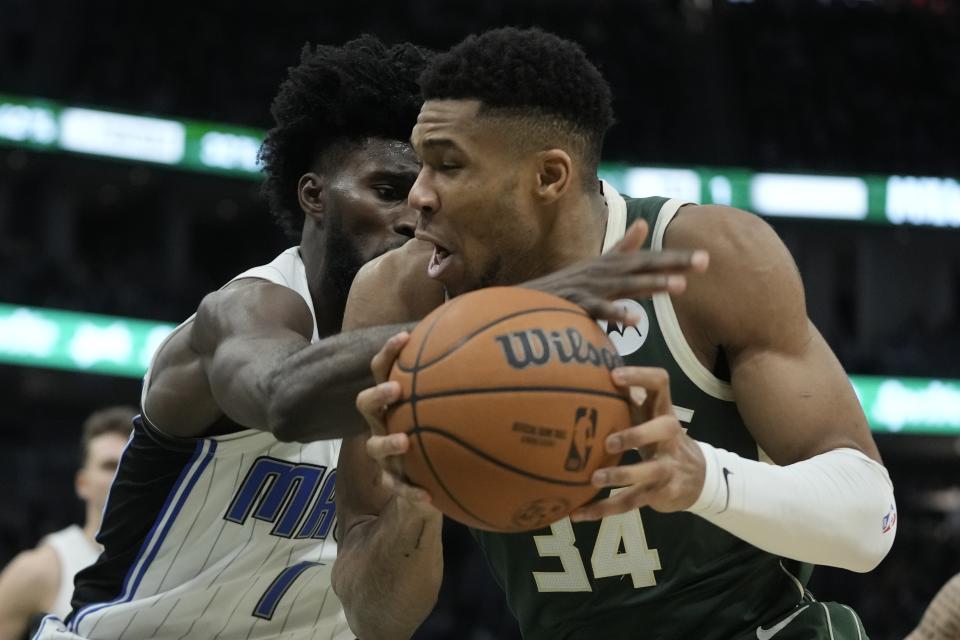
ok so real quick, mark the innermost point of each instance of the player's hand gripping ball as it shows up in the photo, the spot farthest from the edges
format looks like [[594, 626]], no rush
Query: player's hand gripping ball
[[508, 400]]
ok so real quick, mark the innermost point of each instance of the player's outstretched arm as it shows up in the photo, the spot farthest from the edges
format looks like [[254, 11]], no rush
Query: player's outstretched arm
[[27, 587], [247, 354], [832, 501], [941, 620], [389, 560]]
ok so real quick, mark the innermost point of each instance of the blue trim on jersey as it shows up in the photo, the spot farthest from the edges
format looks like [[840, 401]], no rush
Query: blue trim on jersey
[[192, 471], [47, 618]]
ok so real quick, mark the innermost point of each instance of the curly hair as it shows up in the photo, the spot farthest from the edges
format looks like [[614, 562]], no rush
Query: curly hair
[[531, 73], [336, 95]]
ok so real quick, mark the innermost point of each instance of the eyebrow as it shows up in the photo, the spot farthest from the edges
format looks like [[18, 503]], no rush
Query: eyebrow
[[394, 174], [445, 143]]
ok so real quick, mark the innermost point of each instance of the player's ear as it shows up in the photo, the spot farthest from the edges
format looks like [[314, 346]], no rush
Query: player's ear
[[310, 195], [554, 171]]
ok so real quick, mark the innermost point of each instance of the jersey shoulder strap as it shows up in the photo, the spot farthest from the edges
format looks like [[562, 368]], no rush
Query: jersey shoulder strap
[[647, 209]]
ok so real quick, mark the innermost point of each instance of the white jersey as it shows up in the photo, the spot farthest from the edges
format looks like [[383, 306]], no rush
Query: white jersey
[[221, 537], [75, 552]]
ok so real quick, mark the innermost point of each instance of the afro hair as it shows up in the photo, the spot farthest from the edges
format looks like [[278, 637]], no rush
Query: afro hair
[[526, 72], [336, 95]]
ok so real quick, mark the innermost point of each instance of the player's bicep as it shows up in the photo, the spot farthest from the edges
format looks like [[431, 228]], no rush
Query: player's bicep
[[178, 399], [791, 391], [243, 338], [799, 404]]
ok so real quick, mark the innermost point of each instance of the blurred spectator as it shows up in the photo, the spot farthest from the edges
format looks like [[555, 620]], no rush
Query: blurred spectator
[[40, 581]]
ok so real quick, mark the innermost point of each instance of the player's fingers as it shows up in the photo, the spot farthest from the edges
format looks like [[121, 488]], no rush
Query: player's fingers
[[621, 502], [658, 429], [644, 286], [654, 380], [645, 474], [601, 309], [373, 402], [381, 448], [668, 261], [634, 237], [383, 361], [396, 484]]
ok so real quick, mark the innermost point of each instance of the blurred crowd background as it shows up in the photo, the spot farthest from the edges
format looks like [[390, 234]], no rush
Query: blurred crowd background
[[822, 86]]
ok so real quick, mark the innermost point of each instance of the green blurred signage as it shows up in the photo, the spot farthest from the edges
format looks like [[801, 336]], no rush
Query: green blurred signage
[[231, 150], [35, 337], [910, 405], [91, 343]]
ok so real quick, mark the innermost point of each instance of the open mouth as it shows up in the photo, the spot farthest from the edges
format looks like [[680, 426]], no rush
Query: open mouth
[[439, 261]]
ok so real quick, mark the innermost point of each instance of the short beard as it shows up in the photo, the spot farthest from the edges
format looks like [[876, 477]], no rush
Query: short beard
[[341, 261], [493, 276]]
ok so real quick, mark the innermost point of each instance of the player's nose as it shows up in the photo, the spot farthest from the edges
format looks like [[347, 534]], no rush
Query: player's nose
[[406, 223], [423, 197]]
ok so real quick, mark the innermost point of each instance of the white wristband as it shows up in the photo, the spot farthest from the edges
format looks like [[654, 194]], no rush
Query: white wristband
[[785, 510]]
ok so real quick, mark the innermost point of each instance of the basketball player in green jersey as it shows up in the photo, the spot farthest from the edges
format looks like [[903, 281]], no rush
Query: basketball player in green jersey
[[754, 461]]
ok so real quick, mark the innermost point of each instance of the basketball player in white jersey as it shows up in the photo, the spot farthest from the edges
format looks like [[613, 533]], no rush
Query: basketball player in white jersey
[[40, 581], [219, 523]]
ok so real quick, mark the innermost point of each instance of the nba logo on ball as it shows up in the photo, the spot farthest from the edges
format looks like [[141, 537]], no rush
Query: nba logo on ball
[[626, 338]]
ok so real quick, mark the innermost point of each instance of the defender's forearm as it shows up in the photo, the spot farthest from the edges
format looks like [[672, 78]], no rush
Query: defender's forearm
[[312, 394], [388, 571]]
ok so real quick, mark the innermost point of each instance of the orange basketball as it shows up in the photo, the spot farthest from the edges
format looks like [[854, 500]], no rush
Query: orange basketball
[[508, 400]]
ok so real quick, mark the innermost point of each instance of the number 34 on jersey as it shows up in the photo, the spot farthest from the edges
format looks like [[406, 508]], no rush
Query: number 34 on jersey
[[622, 531]]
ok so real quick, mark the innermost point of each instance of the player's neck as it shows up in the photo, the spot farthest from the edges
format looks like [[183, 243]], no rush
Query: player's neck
[[329, 300], [91, 524], [329, 297], [580, 223]]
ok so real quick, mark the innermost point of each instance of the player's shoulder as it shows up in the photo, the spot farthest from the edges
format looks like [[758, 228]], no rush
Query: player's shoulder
[[723, 226], [739, 242], [32, 573], [253, 301], [752, 286], [393, 288], [407, 263], [249, 291]]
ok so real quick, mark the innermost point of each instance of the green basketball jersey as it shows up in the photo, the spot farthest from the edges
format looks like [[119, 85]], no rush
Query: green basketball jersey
[[644, 574]]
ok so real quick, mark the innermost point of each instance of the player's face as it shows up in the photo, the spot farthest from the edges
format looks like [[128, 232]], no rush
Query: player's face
[[93, 480], [366, 200], [473, 194]]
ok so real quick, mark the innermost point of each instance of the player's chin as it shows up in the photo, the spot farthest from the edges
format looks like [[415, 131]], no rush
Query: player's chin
[[457, 284]]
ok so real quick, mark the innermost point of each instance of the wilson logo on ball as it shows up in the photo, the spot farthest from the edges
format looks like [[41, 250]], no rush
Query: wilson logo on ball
[[534, 347]]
